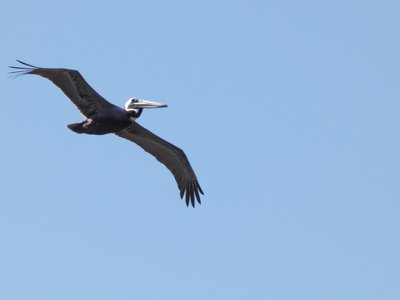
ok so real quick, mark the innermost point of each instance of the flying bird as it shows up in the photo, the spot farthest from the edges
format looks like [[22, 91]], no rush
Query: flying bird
[[103, 117]]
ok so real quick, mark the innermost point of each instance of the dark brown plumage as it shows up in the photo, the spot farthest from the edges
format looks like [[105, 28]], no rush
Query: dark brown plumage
[[103, 117]]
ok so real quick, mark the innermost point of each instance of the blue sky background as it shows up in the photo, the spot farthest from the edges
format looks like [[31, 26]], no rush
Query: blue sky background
[[288, 110]]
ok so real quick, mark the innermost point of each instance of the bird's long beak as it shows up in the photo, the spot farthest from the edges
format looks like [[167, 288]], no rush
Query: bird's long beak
[[141, 103]]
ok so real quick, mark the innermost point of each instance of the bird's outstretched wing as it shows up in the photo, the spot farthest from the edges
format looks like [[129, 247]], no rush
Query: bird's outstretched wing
[[71, 83], [170, 156]]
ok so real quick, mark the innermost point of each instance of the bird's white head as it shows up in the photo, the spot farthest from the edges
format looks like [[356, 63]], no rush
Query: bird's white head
[[134, 104]]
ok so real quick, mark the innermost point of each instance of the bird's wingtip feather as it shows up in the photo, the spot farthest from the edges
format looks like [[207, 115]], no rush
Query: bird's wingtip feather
[[21, 70], [187, 198], [26, 64], [201, 191], [197, 196]]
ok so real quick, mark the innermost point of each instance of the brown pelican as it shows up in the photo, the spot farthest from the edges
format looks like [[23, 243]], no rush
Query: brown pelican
[[102, 117]]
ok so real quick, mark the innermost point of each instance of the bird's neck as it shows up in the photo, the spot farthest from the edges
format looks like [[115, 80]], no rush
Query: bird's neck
[[136, 112]]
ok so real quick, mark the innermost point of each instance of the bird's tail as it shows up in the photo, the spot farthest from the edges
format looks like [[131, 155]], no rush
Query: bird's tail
[[76, 127]]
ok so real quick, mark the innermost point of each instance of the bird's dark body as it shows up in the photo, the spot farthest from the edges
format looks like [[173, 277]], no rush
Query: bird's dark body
[[112, 120], [103, 117]]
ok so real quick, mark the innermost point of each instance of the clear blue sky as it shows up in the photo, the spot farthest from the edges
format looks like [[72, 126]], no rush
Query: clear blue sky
[[289, 112]]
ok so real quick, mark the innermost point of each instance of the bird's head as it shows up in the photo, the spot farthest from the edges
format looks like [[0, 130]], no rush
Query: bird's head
[[135, 106]]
